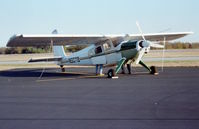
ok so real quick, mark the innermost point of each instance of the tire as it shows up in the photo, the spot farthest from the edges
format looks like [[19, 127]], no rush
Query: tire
[[153, 70], [111, 73], [62, 68]]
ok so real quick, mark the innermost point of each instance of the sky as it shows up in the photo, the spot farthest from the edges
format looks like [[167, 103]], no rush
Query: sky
[[98, 17]]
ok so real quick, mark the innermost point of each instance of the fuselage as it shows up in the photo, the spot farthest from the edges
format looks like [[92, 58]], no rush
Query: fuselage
[[103, 53]]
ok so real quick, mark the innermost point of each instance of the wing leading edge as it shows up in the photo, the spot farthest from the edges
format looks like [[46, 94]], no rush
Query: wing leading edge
[[58, 39]]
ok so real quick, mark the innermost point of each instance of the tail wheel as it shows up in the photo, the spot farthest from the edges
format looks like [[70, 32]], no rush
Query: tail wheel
[[111, 73], [62, 68], [154, 70]]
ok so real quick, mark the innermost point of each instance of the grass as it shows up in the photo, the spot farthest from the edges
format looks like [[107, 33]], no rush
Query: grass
[[174, 53], [174, 63]]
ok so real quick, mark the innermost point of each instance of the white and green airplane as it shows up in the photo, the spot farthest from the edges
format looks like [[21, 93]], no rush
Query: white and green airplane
[[106, 50]]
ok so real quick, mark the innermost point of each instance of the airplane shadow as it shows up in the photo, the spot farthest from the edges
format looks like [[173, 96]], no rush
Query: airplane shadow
[[49, 72], [53, 72]]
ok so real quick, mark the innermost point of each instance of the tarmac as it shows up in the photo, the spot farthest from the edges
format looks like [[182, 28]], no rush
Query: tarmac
[[77, 99]]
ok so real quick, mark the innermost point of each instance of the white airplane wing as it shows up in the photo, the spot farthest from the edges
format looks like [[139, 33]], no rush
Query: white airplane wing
[[60, 39], [161, 36]]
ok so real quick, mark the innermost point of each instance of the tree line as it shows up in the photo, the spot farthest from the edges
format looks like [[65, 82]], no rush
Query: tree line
[[39, 49], [48, 49], [181, 45]]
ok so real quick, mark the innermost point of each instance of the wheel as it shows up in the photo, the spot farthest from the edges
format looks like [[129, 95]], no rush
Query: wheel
[[111, 73], [153, 70], [62, 68]]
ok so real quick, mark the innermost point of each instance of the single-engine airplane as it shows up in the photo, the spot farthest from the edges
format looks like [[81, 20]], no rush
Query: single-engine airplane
[[107, 50]]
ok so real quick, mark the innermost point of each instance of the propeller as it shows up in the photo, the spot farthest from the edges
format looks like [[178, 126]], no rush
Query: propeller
[[141, 53], [139, 28], [155, 45], [145, 44]]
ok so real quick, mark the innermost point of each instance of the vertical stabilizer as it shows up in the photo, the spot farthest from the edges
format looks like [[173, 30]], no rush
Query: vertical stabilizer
[[58, 50]]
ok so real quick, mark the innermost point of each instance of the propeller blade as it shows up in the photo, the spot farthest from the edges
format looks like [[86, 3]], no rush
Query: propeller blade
[[139, 28], [141, 53], [154, 45]]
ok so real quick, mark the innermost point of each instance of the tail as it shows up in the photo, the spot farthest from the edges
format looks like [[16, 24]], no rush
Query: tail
[[58, 50]]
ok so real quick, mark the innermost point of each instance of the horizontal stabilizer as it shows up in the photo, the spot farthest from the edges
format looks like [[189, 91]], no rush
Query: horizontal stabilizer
[[45, 59]]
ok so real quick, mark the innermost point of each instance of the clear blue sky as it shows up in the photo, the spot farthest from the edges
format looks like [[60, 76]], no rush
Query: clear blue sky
[[97, 17]]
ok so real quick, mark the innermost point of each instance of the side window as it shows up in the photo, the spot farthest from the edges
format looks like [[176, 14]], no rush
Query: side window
[[91, 52], [98, 50], [106, 46]]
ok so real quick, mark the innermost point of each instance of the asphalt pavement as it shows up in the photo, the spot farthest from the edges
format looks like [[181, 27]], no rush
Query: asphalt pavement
[[77, 99]]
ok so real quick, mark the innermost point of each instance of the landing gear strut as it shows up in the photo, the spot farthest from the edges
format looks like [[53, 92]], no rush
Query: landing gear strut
[[62, 68]]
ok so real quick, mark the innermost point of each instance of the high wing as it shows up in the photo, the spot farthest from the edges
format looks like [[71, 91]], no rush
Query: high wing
[[161, 36], [58, 39], [23, 40]]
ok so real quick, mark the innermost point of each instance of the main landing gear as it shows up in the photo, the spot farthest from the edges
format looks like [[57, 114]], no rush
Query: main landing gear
[[154, 70], [111, 73], [62, 68]]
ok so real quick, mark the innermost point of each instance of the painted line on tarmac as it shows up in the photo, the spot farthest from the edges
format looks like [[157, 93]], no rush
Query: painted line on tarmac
[[62, 79], [94, 76], [79, 73], [54, 79]]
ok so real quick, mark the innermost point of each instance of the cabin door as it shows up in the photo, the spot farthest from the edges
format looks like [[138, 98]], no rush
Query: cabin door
[[98, 57]]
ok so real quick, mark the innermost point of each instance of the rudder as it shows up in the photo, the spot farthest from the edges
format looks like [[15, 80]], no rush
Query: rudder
[[59, 51]]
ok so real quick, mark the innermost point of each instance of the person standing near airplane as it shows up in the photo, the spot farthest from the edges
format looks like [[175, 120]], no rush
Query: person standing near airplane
[[128, 68], [100, 69]]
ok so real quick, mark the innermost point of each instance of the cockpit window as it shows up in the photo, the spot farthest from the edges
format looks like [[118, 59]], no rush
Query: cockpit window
[[98, 50]]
